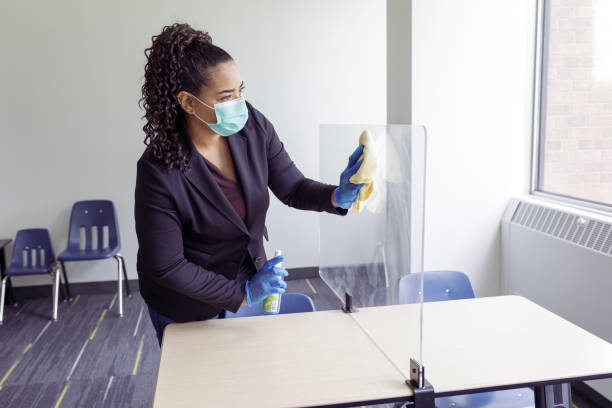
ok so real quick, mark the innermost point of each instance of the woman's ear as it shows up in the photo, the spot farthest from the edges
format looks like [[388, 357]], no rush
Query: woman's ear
[[185, 101]]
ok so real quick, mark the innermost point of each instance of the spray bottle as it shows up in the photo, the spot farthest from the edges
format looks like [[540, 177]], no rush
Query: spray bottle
[[271, 304]]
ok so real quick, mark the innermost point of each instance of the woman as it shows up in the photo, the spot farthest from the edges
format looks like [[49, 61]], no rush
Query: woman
[[202, 185]]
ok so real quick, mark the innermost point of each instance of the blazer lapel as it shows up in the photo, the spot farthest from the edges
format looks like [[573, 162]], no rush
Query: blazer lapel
[[239, 148], [200, 176]]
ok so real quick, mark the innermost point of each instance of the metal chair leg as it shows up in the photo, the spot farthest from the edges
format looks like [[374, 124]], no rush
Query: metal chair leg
[[11, 294], [66, 285], [125, 278], [56, 284], [3, 292], [119, 288]]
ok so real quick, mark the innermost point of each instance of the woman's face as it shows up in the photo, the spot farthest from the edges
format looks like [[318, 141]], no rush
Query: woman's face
[[224, 84]]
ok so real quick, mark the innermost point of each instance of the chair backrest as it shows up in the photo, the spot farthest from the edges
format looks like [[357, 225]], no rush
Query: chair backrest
[[438, 285], [32, 249], [98, 220], [296, 303], [290, 303]]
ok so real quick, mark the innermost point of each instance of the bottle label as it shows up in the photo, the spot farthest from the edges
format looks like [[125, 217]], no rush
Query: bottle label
[[271, 304]]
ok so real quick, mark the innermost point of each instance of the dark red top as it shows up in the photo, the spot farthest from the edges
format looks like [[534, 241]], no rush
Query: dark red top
[[231, 189]]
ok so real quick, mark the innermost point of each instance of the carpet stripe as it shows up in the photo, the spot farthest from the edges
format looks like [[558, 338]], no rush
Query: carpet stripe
[[138, 322], [42, 331], [110, 306], [110, 381], [311, 287], [61, 397], [135, 370], [10, 370], [93, 333], [77, 359], [75, 300]]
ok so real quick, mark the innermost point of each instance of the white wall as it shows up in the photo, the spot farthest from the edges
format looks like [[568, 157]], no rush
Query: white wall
[[72, 80], [472, 70], [71, 73]]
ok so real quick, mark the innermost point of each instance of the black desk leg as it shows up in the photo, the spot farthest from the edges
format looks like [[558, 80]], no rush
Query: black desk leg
[[553, 396]]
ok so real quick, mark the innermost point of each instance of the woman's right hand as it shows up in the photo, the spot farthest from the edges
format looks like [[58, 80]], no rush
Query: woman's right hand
[[267, 281]]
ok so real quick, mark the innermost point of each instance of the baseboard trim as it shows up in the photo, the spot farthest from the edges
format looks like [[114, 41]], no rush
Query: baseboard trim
[[84, 288], [303, 273], [590, 395], [88, 288]]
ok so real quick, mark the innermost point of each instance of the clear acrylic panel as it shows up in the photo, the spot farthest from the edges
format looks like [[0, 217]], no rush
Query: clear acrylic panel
[[367, 253]]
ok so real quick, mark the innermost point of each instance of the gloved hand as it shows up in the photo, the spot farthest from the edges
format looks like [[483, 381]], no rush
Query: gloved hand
[[347, 192], [267, 281]]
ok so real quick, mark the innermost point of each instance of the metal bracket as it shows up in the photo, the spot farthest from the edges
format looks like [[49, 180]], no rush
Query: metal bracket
[[348, 304], [553, 396], [422, 389]]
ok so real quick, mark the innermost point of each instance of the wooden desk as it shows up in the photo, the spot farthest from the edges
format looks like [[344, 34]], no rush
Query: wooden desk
[[482, 344], [293, 360], [329, 359]]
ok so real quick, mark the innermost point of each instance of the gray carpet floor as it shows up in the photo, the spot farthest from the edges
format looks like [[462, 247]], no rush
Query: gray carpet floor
[[92, 358], [88, 358]]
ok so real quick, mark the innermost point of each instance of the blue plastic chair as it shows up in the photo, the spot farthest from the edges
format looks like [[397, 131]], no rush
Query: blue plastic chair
[[290, 303], [455, 285], [95, 217], [438, 286], [32, 255]]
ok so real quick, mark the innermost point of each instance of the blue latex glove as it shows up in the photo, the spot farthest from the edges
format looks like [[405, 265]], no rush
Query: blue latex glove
[[267, 281], [346, 193]]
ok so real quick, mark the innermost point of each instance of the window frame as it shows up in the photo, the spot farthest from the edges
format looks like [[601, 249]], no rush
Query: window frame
[[539, 125]]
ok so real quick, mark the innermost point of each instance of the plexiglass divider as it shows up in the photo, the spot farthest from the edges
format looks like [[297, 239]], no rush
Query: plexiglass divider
[[371, 253]]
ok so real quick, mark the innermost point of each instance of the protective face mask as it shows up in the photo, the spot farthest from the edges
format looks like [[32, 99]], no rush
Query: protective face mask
[[231, 116]]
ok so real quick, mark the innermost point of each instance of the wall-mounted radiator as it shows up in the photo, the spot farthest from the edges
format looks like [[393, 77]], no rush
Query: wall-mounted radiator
[[561, 258]]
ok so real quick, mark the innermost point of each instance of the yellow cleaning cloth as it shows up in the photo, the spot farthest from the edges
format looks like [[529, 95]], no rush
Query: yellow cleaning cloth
[[367, 170]]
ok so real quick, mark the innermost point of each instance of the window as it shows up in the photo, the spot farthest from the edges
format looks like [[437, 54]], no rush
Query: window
[[574, 122]]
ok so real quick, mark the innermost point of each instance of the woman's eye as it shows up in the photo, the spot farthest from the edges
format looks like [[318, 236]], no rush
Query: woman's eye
[[230, 97]]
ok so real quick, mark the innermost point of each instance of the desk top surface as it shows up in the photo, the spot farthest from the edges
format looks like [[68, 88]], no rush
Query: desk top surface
[[488, 342], [292, 360], [324, 358]]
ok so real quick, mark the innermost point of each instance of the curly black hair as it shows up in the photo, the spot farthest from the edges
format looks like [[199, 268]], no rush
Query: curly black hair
[[178, 59]]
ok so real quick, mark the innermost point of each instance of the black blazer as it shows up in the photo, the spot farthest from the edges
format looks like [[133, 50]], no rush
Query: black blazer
[[191, 242]]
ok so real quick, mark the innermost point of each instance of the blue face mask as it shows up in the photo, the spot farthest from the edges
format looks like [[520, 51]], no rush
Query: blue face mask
[[231, 116]]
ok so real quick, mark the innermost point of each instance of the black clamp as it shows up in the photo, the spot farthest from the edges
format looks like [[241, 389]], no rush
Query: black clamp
[[422, 389], [348, 304]]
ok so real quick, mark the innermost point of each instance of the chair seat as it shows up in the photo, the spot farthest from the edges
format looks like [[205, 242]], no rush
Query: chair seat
[[516, 398], [73, 255], [13, 270]]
